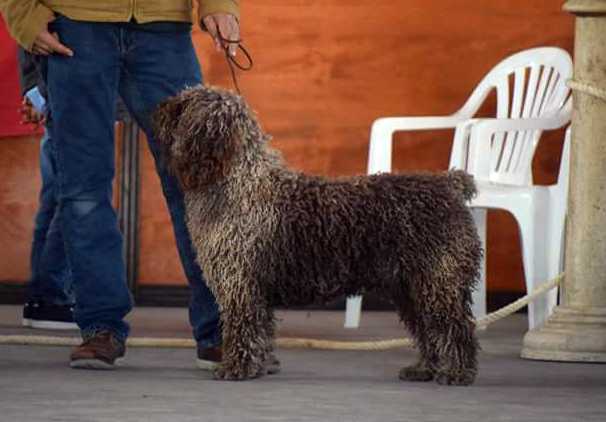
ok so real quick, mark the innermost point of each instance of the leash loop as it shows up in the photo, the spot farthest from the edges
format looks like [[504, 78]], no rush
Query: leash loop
[[231, 60]]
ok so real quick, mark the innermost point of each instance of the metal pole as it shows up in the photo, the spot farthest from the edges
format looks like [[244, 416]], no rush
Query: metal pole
[[129, 199]]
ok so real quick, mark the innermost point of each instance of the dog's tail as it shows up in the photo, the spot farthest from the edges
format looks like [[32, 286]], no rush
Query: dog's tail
[[463, 183]]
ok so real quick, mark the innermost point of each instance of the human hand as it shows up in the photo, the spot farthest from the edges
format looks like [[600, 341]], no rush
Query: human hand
[[46, 44], [29, 115], [224, 29]]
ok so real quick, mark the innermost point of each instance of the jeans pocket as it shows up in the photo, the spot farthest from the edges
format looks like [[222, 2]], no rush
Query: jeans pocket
[[59, 18]]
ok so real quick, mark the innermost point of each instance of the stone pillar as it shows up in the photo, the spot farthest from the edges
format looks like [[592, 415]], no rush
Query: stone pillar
[[577, 329]]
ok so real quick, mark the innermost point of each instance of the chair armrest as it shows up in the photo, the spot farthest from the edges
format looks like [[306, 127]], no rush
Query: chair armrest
[[394, 124], [382, 130], [491, 126], [551, 121], [483, 130]]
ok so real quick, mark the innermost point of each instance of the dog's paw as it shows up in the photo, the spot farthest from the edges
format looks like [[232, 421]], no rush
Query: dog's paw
[[455, 378], [223, 373], [416, 373], [272, 365]]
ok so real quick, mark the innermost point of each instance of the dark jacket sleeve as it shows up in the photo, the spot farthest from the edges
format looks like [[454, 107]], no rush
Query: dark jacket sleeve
[[31, 72], [28, 74]]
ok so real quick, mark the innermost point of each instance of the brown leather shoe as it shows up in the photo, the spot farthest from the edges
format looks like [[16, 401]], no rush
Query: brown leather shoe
[[99, 351], [209, 358]]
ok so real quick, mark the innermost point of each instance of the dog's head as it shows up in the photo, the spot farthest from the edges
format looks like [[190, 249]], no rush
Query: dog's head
[[202, 130]]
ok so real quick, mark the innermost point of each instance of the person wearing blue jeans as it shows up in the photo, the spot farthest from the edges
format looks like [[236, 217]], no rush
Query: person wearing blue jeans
[[49, 297], [145, 63], [49, 300], [50, 273]]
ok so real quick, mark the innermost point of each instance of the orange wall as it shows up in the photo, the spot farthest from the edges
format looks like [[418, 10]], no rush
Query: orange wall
[[323, 72]]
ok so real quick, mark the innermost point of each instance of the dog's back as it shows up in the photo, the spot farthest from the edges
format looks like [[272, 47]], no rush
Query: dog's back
[[463, 183], [342, 236]]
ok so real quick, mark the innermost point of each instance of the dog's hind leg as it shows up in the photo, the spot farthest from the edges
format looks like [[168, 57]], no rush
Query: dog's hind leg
[[420, 371], [450, 331], [272, 363], [445, 328], [454, 345]]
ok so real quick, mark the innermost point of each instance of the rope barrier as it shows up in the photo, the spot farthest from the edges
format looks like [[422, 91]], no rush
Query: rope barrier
[[289, 342], [505, 311], [587, 88], [308, 343]]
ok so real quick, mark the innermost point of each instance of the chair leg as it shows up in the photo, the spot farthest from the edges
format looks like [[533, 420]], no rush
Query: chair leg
[[353, 312], [534, 265], [479, 294], [542, 246]]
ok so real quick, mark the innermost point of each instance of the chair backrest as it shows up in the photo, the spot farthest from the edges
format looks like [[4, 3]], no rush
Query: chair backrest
[[529, 84]]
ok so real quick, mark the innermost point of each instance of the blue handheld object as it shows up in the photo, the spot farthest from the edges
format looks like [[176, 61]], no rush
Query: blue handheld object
[[37, 100]]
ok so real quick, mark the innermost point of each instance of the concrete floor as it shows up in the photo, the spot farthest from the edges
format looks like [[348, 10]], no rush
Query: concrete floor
[[162, 385]]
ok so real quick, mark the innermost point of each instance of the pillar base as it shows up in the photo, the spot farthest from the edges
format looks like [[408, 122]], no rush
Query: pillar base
[[570, 335]]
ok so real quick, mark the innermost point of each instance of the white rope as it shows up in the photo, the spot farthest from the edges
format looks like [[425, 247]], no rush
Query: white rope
[[308, 343], [587, 88], [289, 342], [505, 311]]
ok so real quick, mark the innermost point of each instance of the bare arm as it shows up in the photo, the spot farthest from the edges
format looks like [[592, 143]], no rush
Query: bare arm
[[220, 19], [27, 21]]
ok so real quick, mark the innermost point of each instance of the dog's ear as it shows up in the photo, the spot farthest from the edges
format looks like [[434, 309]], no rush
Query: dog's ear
[[199, 129], [165, 120]]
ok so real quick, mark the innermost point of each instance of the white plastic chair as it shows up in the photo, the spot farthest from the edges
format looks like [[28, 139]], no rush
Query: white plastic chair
[[531, 96], [540, 211]]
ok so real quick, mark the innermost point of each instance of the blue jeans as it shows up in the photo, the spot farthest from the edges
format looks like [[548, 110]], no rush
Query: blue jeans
[[51, 277], [146, 67]]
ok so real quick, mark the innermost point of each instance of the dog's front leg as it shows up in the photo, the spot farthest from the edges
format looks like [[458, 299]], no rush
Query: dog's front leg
[[272, 363], [246, 340]]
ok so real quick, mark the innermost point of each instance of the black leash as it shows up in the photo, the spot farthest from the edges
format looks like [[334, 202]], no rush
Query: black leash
[[231, 60]]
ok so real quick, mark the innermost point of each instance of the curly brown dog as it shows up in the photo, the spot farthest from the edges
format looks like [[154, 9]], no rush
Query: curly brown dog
[[265, 234]]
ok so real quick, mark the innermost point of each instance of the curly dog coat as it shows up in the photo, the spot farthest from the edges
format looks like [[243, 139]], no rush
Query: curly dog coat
[[265, 234]]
